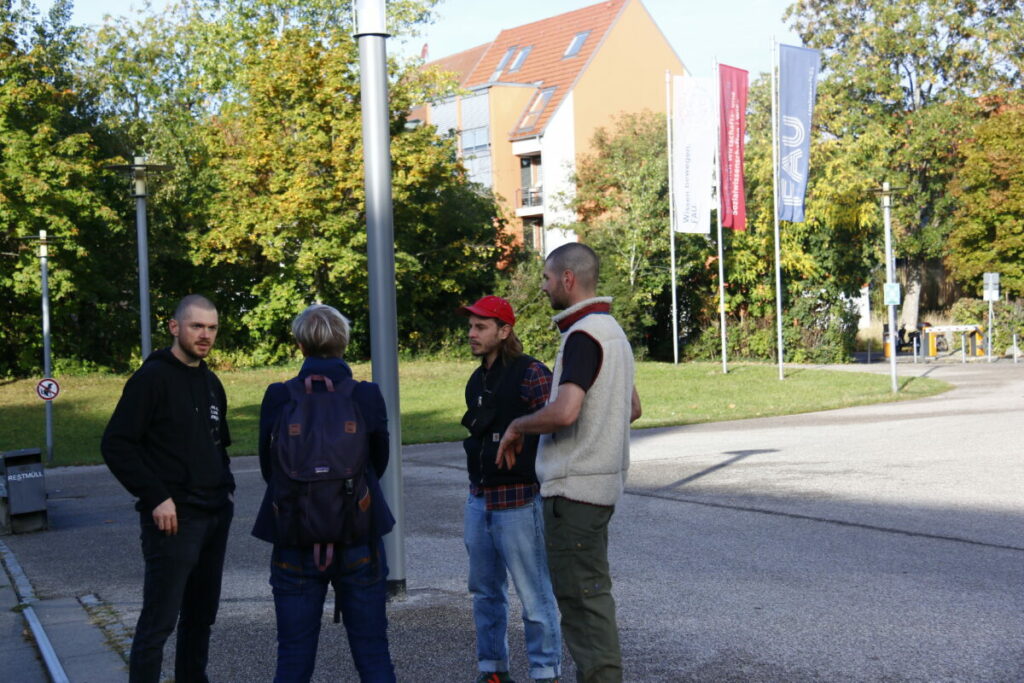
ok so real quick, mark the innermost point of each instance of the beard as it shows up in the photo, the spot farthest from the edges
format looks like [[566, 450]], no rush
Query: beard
[[193, 352], [558, 301]]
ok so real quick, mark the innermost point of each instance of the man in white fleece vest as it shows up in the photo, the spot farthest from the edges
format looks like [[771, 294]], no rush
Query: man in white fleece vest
[[583, 456]]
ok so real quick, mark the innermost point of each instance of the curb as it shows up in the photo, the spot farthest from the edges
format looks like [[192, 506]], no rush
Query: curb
[[26, 598]]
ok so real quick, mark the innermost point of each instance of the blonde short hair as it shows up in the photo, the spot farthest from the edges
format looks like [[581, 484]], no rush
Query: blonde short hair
[[322, 331]]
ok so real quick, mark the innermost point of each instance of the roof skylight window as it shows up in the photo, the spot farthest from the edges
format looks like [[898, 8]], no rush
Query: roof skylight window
[[576, 45], [536, 109], [504, 60], [520, 58]]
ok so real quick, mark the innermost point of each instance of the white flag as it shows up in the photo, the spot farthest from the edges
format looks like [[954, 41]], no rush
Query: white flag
[[693, 141]]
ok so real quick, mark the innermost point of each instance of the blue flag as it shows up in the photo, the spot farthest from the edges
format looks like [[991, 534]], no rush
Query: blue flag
[[798, 80]]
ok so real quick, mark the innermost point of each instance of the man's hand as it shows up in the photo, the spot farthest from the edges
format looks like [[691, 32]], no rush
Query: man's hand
[[510, 446], [635, 411], [166, 517]]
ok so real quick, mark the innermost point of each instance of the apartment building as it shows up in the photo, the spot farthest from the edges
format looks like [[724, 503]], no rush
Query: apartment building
[[536, 95]]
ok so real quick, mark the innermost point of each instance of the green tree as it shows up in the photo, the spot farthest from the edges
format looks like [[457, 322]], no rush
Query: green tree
[[257, 108], [290, 204], [622, 203], [824, 260], [899, 88], [988, 225], [50, 179]]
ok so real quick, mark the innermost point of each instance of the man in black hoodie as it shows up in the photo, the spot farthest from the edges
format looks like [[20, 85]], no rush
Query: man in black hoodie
[[166, 443]]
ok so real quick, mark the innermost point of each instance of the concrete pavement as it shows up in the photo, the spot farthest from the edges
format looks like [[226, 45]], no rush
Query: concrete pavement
[[880, 543]]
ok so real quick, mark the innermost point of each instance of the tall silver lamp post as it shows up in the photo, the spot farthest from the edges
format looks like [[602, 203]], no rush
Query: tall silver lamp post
[[138, 171], [371, 33]]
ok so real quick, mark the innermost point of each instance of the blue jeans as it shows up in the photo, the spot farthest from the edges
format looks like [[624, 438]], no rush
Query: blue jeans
[[512, 540], [300, 589]]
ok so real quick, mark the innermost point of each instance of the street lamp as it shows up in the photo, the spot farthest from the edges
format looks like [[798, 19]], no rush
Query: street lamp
[[138, 172]]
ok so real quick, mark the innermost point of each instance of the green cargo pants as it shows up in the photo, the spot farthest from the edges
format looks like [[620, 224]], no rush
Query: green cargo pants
[[577, 543]]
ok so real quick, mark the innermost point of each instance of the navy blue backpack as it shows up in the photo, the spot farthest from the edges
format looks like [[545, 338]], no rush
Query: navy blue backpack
[[320, 455]]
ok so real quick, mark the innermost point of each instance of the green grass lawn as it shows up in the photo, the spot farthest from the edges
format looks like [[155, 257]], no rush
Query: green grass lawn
[[432, 400]]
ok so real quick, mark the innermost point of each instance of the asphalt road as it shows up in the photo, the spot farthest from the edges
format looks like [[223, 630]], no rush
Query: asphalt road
[[881, 543]]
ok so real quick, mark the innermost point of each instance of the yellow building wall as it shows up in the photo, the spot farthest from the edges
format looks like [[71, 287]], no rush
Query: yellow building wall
[[506, 106], [626, 75]]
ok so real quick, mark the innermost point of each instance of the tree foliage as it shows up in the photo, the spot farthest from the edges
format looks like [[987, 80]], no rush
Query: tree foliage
[[290, 200], [988, 225], [50, 180], [824, 260], [900, 88], [622, 203], [256, 109]]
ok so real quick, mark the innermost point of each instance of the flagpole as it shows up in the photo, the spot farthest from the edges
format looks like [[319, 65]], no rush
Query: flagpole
[[671, 217], [721, 257], [775, 204]]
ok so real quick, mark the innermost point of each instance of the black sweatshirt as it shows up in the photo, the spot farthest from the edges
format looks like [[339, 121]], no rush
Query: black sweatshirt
[[168, 435]]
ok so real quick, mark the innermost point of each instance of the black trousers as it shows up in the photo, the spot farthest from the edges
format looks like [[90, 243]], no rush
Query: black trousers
[[182, 586]]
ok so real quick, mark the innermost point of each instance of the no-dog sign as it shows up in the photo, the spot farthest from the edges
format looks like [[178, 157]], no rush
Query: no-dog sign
[[47, 389]]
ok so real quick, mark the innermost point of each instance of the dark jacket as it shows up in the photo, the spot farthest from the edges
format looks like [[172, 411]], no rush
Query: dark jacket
[[493, 400], [374, 413], [168, 435]]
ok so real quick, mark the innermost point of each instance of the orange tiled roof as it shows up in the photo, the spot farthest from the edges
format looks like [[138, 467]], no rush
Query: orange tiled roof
[[462, 63], [544, 65]]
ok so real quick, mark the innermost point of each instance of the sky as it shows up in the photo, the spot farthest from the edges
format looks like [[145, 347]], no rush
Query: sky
[[693, 27]]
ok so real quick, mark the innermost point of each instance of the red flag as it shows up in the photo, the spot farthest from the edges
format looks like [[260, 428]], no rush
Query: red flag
[[732, 93]]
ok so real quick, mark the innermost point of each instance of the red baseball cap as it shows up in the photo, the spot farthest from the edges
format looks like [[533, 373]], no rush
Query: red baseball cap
[[491, 307]]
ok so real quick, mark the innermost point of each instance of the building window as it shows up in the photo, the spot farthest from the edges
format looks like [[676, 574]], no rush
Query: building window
[[536, 109], [531, 183], [517, 63], [504, 60], [533, 233], [576, 45], [474, 140]]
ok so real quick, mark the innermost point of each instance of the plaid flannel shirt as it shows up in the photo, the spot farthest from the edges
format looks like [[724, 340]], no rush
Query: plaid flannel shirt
[[534, 390]]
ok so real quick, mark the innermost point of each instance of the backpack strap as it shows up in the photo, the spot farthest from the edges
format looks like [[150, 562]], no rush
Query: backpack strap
[[329, 547], [308, 382]]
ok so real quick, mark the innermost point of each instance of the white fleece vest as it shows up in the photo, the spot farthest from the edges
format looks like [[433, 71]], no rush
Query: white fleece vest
[[587, 461]]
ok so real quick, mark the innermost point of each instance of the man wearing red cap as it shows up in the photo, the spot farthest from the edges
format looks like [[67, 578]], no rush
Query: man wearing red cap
[[504, 521]]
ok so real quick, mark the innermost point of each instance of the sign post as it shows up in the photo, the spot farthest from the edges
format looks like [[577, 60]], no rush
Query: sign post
[[47, 369], [892, 288], [990, 293], [45, 386]]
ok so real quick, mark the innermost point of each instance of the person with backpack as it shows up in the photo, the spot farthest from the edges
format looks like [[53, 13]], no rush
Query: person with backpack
[[504, 518], [323, 446]]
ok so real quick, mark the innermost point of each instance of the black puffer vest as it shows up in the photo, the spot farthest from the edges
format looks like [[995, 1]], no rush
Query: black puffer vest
[[492, 402]]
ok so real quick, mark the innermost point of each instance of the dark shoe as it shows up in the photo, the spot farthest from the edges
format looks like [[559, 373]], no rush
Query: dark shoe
[[546, 680], [494, 677]]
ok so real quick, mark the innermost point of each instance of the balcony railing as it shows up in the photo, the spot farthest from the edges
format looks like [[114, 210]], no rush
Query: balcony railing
[[529, 196]]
